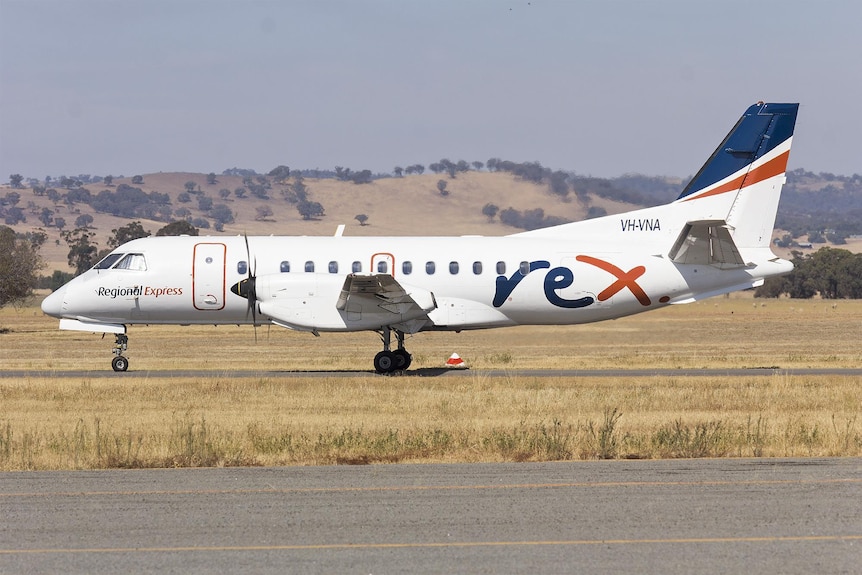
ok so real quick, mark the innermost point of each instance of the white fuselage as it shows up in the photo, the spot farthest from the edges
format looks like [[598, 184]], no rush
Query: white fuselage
[[476, 282]]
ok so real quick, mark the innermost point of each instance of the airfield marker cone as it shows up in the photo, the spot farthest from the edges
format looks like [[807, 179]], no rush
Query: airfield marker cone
[[456, 362]]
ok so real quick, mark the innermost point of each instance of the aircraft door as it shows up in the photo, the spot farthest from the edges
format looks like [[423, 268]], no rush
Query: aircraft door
[[383, 263], [208, 276]]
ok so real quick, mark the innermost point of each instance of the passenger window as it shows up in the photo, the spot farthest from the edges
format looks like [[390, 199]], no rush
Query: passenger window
[[333, 267], [107, 262], [284, 267], [524, 268], [382, 267], [135, 262], [309, 266], [430, 268], [357, 267], [501, 268], [407, 268], [477, 268], [242, 267], [453, 268]]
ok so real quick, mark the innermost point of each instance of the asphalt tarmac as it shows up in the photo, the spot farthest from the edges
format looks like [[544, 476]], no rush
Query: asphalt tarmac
[[671, 516], [437, 372]]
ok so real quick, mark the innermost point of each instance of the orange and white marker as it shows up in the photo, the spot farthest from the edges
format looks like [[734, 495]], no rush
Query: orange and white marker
[[456, 362]]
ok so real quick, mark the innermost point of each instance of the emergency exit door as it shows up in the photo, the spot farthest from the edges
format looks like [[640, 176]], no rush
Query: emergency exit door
[[208, 276]]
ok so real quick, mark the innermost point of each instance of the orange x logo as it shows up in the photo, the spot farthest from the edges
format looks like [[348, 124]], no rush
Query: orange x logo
[[624, 279]]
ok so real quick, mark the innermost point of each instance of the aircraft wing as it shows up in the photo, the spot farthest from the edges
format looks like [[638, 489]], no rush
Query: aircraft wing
[[365, 292]]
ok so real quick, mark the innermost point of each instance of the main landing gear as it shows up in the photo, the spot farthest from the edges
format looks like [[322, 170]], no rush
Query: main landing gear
[[388, 360], [121, 344]]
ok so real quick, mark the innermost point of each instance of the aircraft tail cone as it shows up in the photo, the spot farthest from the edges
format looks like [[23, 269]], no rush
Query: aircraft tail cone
[[456, 362]]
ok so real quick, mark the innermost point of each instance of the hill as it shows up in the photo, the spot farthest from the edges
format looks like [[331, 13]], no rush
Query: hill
[[410, 205], [239, 202]]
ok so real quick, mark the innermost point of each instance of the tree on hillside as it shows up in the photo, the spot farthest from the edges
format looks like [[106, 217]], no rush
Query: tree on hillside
[[262, 213], [12, 198], [127, 233], [109, 180], [309, 210], [178, 228], [560, 183], [361, 218], [137, 180], [441, 187], [211, 178], [46, 216], [398, 171], [19, 265], [280, 173], [362, 177], [222, 214], [490, 210], [83, 221], [343, 174], [82, 252], [190, 186], [15, 180], [478, 165]]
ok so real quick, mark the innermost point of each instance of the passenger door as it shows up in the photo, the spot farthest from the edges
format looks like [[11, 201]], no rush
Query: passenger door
[[208, 276]]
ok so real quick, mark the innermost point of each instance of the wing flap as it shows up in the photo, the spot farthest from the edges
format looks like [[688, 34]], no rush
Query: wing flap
[[384, 292]]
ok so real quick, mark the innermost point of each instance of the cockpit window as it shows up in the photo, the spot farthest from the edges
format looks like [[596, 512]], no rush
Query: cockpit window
[[107, 262], [135, 262]]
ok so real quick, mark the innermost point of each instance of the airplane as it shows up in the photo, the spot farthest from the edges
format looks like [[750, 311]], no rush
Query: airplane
[[713, 239]]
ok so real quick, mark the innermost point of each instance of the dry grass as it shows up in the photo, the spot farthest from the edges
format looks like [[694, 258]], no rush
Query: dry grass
[[738, 331], [65, 423]]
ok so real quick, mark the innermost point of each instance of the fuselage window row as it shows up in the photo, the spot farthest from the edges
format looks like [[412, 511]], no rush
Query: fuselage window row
[[355, 267]]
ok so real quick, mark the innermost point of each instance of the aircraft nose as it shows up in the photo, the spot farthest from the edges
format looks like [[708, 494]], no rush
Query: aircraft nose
[[53, 304]]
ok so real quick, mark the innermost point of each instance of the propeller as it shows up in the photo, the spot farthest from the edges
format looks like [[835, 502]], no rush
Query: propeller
[[247, 288]]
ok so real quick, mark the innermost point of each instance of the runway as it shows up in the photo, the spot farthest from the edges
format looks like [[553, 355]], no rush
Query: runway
[[672, 516], [435, 372]]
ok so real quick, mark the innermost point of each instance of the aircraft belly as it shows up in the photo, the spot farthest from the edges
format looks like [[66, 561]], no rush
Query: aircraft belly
[[467, 314]]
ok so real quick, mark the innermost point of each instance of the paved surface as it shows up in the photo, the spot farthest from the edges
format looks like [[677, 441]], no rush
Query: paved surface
[[682, 516], [440, 372]]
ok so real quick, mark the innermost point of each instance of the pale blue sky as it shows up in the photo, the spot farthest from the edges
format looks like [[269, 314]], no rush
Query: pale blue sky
[[597, 87]]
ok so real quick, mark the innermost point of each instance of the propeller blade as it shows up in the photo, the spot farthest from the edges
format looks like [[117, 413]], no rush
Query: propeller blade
[[251, 292]]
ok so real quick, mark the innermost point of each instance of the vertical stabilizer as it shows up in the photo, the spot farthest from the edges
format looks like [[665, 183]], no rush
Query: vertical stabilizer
[[744, 176]]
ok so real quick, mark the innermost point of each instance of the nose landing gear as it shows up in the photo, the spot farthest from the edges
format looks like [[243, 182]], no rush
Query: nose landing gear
[[121, 344], [388, 360]]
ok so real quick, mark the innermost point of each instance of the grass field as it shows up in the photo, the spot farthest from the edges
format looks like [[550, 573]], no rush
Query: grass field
[[219, 419]]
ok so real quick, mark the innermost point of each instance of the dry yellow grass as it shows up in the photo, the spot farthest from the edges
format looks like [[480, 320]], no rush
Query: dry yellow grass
[[732, 332], [93, 422]]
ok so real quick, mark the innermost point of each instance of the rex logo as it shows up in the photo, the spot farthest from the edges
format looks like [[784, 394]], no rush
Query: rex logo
[[562, 277]]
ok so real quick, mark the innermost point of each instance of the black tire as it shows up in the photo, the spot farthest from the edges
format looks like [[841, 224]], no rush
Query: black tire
[[384, 362], [120, 363], [403, 359]]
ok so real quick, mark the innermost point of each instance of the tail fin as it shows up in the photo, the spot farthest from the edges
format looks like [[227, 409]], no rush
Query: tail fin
[[743, 177]]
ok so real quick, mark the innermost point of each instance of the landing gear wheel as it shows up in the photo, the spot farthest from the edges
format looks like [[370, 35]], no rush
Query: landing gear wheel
[[403, 359], [120, 363], [384, 362]]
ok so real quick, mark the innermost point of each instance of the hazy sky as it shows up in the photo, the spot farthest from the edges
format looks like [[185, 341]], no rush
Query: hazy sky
[[597, 87]]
